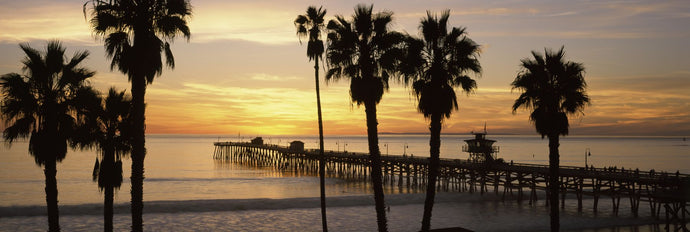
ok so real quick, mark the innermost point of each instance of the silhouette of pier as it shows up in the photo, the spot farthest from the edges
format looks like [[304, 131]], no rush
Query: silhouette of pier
[[520, 181]]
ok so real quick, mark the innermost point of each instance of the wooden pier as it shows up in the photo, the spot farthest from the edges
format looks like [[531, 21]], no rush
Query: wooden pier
[[668, 191]]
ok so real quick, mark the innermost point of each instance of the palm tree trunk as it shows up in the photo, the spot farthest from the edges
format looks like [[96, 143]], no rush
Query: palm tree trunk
[[138, 151], [554, 181], [108, 209], [50, 173], [376, 174], [108, 172], [435, 146], [322, 162]]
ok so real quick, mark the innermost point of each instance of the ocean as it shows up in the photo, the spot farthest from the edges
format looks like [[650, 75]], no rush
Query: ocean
[[180, 170]]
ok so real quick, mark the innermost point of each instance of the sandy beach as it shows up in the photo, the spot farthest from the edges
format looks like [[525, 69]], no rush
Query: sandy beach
[[345, 213]]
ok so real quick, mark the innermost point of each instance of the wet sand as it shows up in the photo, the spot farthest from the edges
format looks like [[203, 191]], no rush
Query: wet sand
[[351, 213]]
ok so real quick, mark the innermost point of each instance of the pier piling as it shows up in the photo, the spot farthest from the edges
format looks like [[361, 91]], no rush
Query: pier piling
[[661, 190]]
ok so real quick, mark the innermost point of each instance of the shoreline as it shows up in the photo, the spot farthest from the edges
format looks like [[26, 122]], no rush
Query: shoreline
[[345, 213], [222, 205]]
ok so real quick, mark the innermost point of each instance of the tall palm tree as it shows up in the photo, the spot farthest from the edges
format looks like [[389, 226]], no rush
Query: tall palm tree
[[553, 89], [41, 105], [435, 65], [311, 26], [105, 127], [366, 52], [136, 32]]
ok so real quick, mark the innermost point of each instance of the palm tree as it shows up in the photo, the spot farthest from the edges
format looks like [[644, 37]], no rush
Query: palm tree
[[435, 65], [366, 52], [105, 127], [311, 25], [552, 88], [136, 32], [41, 105]]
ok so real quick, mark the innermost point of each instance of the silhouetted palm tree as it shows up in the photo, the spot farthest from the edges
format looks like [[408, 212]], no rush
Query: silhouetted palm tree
[[435, 65], [311, 25], [552, 88], [136, 32], [41, 105], [104, 126], [367, 53]]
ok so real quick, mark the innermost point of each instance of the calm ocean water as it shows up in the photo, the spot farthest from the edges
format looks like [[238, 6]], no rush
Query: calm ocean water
[[180, 168]]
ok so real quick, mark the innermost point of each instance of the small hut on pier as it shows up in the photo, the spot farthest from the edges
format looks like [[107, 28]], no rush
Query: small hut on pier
[[480, 148], [297, 146], [258, 141]]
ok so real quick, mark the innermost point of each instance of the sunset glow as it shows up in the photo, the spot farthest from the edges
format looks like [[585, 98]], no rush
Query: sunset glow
[[244, 70]]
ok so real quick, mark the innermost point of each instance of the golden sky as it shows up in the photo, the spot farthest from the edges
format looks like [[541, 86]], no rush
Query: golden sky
[[244, 71]]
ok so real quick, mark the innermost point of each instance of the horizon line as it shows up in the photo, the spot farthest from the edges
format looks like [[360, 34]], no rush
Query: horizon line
[[419, 133]]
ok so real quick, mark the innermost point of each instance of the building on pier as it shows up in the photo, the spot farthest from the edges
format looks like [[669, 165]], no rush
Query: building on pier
[[258, 141], [480, 148], [297, 146]]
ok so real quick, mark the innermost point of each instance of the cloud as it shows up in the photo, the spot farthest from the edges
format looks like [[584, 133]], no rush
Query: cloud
[[670, 84], [49, 20], [477, 11], [256, 110], [652, 105], [270, 24], [567, 13], [273, 78]]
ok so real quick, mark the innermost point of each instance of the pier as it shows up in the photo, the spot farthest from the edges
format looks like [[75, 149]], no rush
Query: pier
[[660, 190]]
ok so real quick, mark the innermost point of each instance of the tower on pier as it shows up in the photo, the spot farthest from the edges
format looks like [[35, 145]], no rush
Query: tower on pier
[[480, 148]]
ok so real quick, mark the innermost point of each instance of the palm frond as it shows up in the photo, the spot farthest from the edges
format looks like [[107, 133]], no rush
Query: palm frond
[[553, 88], [54, 57], [310, 26], [169, 58], [104, 21], [179, 7], [156, 23], [20, 128], [40, 105], [365, 51], [437, 63], [18, 99], [33, 62], [170, 26], [301, 26]]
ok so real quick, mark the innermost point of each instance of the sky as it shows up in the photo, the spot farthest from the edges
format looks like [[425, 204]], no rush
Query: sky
[[245, 72]]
